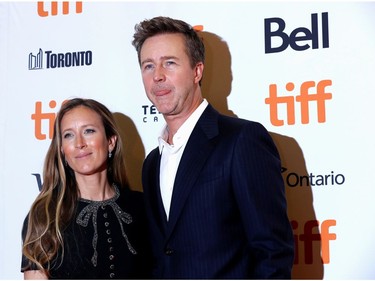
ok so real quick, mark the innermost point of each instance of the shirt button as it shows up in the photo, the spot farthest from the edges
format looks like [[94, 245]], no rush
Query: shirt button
[[112, 266], [168, 252], [112, 275], [111, 257]]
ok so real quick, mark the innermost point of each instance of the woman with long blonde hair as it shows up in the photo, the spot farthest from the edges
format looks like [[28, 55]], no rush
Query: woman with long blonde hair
[[86, 223]]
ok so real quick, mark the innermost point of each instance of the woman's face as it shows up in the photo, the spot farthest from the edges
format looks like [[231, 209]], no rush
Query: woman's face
[[84, 142]]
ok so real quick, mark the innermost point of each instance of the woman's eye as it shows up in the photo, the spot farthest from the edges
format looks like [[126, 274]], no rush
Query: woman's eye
[[89, 131], [67, 135]]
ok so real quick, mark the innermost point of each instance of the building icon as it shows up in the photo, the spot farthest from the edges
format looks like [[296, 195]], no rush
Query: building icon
[[36, 61]]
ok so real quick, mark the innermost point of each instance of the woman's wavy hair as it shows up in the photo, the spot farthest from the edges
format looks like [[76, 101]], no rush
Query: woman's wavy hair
[[56, 204]]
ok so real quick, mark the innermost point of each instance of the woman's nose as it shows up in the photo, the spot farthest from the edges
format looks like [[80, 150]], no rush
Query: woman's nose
[[80, 142]]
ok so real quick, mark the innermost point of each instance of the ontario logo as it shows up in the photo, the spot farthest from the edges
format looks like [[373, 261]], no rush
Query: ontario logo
[[49, 59], [293, 179]]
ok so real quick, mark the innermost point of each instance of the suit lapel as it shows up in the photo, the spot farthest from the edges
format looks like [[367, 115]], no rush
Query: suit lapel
[[194, 157], [157, 205]]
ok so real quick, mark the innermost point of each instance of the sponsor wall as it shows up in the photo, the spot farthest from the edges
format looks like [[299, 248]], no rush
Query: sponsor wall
[[305, 70]]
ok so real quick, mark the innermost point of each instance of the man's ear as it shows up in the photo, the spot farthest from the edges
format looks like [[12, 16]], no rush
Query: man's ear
[[198, 72]]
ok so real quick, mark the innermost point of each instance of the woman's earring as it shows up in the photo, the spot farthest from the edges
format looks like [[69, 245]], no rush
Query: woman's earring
[[110, 154]]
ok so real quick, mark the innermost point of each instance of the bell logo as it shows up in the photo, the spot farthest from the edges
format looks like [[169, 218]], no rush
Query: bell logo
[[309, 92], [300, 39], [55, 8]]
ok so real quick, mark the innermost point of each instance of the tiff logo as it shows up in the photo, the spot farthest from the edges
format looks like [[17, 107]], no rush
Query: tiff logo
[[309, 235], [36, 61], [47, 118], [55, 8], [309, 91]]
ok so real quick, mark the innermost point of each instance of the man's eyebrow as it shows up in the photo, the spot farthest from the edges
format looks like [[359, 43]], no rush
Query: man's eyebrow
[[161, 58]]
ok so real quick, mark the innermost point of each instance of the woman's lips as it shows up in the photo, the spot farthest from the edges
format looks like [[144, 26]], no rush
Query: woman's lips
[[83, 155]]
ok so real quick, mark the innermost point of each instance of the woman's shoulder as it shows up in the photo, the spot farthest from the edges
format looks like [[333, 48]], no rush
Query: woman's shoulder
[[131, 197], [128, 191]]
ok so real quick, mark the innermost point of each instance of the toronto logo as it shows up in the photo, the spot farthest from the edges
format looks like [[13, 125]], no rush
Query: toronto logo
[[50, 59], [36, 61]]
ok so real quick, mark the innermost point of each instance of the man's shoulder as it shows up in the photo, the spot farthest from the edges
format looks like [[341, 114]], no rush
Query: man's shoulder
[[152, 155], [229, 119], [238, 122]]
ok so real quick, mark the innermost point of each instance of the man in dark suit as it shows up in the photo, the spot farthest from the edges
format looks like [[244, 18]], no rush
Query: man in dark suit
[[213, 188]]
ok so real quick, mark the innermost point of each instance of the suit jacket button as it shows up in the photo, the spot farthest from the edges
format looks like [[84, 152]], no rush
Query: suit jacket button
[[168, 252]]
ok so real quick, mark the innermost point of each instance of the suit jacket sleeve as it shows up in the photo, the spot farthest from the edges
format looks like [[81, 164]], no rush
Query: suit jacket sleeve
[[260, 193]]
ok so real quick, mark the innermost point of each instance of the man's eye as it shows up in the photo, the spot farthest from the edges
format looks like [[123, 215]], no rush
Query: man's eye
[[148, 67]]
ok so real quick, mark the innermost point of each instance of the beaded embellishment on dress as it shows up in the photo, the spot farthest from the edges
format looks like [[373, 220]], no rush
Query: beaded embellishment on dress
[[91, 210]]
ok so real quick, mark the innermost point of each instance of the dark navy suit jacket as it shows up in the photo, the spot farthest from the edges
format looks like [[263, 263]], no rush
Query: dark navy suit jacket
[[228, 216]]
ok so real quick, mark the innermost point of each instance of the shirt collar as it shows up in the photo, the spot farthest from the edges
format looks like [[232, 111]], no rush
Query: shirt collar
[[183, 133]]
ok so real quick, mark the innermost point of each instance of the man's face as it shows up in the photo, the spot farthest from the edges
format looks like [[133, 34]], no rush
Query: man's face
[[170, 81]]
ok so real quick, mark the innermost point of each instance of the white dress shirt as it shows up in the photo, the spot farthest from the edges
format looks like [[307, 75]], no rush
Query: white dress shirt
[[171, 154]]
